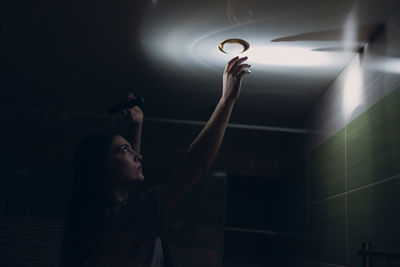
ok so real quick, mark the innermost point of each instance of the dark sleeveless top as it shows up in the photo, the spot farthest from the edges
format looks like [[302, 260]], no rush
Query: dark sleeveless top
[[130, 233]]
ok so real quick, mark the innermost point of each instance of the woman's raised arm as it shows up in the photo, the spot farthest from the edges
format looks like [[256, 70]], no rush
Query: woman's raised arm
[[204, 148]]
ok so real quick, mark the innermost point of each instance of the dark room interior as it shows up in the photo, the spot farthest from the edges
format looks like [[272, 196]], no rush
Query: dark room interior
[[308, 172]]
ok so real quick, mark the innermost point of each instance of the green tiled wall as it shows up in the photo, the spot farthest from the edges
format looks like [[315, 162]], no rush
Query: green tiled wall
[[373, 215], [373, 143], [366, 155], [327, 168]]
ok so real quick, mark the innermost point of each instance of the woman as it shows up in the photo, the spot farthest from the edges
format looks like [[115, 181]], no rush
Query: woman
[[109, 226]]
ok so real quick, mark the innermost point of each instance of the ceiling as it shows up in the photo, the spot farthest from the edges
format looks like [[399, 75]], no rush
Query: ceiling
[[77, 55]]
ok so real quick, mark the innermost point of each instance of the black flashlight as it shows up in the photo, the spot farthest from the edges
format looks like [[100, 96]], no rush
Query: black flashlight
[[125, 105]]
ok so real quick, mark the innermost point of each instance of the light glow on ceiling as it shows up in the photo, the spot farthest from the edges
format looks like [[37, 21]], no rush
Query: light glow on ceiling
[[181, 49], [352, 88], [386, 65], [289, 56]]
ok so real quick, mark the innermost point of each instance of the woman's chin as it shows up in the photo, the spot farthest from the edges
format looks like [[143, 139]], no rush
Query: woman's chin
[[137, 179], [140, 178]]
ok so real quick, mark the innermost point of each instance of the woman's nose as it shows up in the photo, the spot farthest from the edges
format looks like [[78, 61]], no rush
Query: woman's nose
[[137, 156]]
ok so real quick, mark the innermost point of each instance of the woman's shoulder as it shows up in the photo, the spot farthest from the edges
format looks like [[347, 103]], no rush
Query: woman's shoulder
[[147, 202]]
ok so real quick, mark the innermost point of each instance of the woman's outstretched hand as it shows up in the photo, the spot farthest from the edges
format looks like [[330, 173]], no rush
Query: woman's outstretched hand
[[133, 114], [203, 150], [232, 78]]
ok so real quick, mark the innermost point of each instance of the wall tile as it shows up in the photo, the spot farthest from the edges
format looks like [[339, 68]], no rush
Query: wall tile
[[203, 257], [251, 249], [373, 215], [295, 263], [326, 229], [198, 222], [323, 264], [373, 143], [252, 202], [327, 168], [293, 184]]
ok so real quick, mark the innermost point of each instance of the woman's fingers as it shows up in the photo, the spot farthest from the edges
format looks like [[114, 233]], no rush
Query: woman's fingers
[[239, 68], [234, 66], [126, 97], [230, 63], [232, 78], [243, 72], [131, 96]]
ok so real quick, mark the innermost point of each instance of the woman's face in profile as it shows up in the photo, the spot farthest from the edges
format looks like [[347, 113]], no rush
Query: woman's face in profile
[[124, 163]]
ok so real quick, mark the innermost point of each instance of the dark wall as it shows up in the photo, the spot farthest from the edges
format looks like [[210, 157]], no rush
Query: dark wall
[[353, 156], [37, 177]]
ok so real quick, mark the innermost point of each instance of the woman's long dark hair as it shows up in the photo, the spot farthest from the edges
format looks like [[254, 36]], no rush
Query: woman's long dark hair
[[90, 197]]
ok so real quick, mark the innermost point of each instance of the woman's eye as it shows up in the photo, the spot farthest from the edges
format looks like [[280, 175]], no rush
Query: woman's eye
[[124, 149]]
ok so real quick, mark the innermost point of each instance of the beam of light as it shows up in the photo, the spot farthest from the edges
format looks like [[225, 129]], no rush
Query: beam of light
[[353, 80], [186, 50], [290, 56], [352, 87], [386, 65], [350, 39]]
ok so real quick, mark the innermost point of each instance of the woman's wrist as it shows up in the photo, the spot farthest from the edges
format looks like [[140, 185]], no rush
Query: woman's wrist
[[227, 101], [137, 121]]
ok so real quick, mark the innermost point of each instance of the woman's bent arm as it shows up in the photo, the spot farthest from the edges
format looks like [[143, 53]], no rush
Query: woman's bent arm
[[204, 148]]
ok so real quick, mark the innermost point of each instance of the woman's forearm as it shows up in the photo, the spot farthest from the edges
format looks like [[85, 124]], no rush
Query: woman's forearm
[[204, 148], [135, 132]]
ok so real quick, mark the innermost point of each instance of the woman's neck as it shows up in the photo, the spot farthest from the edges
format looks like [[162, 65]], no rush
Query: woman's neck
[[120, 193]]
